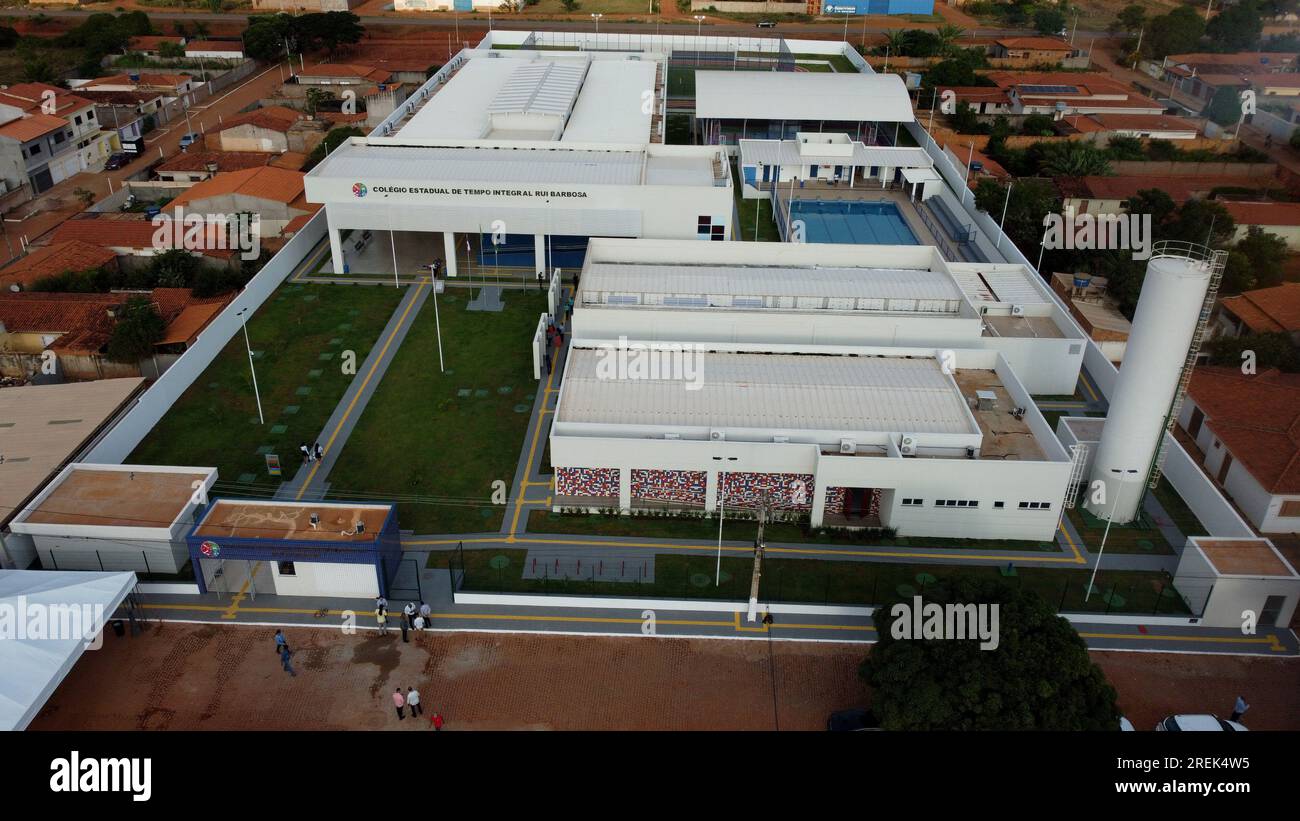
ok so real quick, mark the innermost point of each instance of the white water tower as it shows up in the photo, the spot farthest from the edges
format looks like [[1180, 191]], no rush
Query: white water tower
[[1178, 291]]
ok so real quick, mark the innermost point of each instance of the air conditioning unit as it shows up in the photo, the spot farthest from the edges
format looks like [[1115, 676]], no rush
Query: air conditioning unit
[[717, 435], [848, 446], [1017, 310], [907, 445]]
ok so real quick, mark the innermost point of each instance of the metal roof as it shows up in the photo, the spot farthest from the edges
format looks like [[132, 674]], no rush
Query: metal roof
[[771, 391], [1014, 287], [797, 95], [716, 285], [540, 87], [433, 166], [786, 152]]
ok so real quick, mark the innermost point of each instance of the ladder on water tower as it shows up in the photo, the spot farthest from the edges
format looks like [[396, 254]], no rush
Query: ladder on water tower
[[1215, 262], [1079, 457]]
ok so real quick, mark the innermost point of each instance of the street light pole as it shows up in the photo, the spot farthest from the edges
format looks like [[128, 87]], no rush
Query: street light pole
[[722, 504], [243, 322], [596, 16], [1005, 204], [1101, 550]]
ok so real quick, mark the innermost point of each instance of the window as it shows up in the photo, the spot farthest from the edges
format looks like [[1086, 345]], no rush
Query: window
[[999, 505], [287, 569], [913, 502], [90, 115], [35, 149], [1035, 505], [956, 503], [77, 119], [58, 137]]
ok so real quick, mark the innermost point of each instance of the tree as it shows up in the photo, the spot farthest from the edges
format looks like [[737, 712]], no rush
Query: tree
[[1126, 148], [1038, 125], [313, 99], [1225, 106], [958, 70], [8, 37], [1259, 258], [1236, 27], [173, 268], [171, 50], [1177, 32], [138, 328], [86, 196], [948, 35], [1069, 159], [328, 30], [1031, 200], [1271, 350], [1039, 677], [1049, 20], [1130, 18]]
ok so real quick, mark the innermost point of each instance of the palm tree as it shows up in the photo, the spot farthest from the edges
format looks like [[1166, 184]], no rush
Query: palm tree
[[895, 40], [948, 35], [1073, 159]]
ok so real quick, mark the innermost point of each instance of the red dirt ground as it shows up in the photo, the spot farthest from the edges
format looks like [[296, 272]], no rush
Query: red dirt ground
[[184, 676]]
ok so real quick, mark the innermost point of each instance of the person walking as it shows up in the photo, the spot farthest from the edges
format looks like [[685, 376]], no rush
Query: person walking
[[280, 641], [405, 628], [419, 623], [380, 601], [381, 616], [408, 612], [398, 703], [426, 612], [413, 701], [318, 452], [306, 454], [435, 720], [285, 655], [1239, 709]]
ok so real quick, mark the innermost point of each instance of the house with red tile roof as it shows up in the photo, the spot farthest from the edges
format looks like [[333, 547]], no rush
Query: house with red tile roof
[[1261, 311], [1247, 428], [1032, 49], [133, 238], [273, 129], [275, 194], [196, 166], [47, 135], [1143, 126], [50, 260], [77, 328], [981, 99], [151, 45], [1110, 195], [1281, 218], [1063, 93]]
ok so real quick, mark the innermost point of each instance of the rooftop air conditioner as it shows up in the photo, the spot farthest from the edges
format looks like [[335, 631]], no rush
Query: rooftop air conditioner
[[1017, 310], [717, 435], [907, 445], [848, 446]]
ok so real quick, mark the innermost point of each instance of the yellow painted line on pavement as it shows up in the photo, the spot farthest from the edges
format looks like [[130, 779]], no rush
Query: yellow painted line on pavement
[[1088, 385], [1078, 557], [315, 466], [532, 451]]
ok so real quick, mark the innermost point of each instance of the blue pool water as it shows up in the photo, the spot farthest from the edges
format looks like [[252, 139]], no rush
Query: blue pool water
[[853, 223]]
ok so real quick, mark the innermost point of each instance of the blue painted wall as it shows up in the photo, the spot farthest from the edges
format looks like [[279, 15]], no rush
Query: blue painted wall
[[857, 7]]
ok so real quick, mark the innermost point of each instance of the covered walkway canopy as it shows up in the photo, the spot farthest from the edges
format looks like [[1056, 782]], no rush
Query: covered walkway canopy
[[47, 619]]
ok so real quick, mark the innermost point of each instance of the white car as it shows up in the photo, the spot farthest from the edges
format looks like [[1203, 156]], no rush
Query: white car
[[1200, 723]]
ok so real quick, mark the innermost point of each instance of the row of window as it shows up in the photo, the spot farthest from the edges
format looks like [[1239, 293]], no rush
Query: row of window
[[969, 503]]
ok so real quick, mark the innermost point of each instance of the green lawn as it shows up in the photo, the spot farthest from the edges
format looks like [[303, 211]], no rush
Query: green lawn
[[681, 82], [214, 423], [823, 582], [432, 449], [754, 215], [743, 530], [677, 129], [1139, 536]]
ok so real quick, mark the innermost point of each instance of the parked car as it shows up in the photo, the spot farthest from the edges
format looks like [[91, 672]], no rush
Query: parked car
[[854, 720], [116, 161], [767, 24], [1125, 725], [1199, 723], [189, 139]]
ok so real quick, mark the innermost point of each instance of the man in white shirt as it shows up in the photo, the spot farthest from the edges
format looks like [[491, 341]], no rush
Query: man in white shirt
[[413, 701]]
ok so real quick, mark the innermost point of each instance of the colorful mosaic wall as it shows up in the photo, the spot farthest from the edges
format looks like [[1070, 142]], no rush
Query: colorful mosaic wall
[[681, 486], [586, 482], [837, 498], [790, 491]]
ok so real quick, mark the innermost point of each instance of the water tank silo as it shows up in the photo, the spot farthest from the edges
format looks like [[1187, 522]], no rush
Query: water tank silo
[[1168, 314]]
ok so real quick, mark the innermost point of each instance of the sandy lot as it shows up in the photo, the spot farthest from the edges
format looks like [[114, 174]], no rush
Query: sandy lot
[[226, 677]]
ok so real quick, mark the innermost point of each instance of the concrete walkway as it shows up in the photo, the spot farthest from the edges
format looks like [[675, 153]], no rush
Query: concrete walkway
[[310, 480]]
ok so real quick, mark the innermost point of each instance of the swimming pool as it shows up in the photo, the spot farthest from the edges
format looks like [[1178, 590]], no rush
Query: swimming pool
[[852, 222]]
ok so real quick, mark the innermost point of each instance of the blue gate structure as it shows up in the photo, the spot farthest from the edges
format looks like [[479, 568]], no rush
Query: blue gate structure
[[308, 533]]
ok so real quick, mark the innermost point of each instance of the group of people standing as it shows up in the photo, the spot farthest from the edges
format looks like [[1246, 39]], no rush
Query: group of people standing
[[411, 700], [311, 453], [414, 616]]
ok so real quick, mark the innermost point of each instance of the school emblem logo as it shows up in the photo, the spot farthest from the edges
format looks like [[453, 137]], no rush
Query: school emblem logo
[[359, 189], [210, 549]]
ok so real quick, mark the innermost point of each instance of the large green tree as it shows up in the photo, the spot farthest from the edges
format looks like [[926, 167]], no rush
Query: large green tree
[[1177, 32], [1039, 677], [138, 328], [1237, 27]]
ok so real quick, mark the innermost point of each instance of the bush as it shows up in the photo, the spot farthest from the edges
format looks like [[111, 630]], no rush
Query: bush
[[137, 330]]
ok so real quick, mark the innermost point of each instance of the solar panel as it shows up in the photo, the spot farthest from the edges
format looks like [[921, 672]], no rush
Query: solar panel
[[1032, 89]]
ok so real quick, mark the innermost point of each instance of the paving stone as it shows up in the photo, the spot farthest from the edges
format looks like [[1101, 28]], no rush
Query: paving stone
[[265, 449], [247, 478], [314, 373], [303, 391], [325, 357], [278, 429], [479, 393], [463, 392]]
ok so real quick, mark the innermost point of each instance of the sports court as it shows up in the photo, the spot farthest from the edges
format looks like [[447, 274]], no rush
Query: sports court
[[852, 222]]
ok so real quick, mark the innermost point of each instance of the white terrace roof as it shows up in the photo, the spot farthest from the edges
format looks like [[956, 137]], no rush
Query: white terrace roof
[[541, 87], [773, 392], [439, 166], [787, 153], [801, 95], [1013, 286], [787, 287]]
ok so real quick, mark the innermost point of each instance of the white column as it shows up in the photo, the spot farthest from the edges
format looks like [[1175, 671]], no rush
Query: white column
[[625, 489], [711, 491], [818, 505], [336, 249], [539, 252], [449, 244]]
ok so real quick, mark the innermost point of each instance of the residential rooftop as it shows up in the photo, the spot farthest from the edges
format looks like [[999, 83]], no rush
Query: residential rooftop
[[118, 496], [1258, 418], [1243, 557], [795, 95], [1267, 310]]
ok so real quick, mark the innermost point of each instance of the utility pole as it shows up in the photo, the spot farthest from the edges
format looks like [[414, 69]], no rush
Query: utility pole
[[764, 506]]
